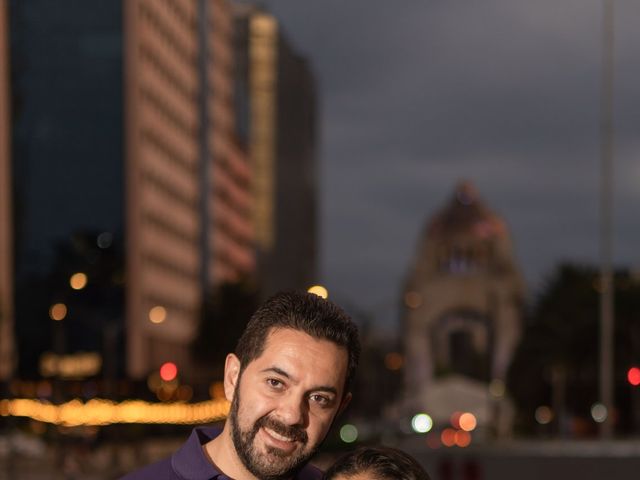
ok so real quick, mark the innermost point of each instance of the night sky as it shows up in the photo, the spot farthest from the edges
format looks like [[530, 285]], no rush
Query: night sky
[[416, 95]]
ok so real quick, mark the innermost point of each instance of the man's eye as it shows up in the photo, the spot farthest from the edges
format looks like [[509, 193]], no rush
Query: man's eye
[[274, 383], [320, 399]]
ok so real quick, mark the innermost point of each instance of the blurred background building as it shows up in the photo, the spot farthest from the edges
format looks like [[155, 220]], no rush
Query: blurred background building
[[6, 281], [188, 177], [277, 101], [464, 302], [148, 166]]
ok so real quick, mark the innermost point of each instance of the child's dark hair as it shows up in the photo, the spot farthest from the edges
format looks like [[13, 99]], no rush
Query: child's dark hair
[[381, 463]]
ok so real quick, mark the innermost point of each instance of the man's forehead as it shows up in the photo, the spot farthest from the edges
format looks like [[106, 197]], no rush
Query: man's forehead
[[277, 336], [283, 342]]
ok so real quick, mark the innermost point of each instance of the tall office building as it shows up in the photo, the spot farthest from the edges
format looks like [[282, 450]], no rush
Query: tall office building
[[188, 205], [126, 170], [230, 203], [276, 99], [6, 290]]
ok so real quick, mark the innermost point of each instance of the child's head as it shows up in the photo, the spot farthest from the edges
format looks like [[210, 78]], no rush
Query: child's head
[[376, 463]]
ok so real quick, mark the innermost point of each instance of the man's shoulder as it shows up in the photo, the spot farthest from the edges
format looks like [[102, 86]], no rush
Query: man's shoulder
[[160, 470], [188, 461]]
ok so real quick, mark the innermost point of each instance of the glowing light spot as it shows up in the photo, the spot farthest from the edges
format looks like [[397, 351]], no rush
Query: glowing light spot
[[97, 412], [104, 240], [448, 437], [168, 371], [599, 412], [455, 420], [58, 311], [78, 281], [348, 433], [468, 422], [462, 439], [412, 299], [544, 415], [393, 361], [633, 375], [158, 314], [319, 290], [421, 423]]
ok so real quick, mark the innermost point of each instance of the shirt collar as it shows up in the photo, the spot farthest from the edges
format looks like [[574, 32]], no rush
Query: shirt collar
[[190, 461]]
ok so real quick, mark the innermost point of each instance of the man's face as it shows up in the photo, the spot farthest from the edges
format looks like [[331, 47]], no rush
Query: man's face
[[284, 402]]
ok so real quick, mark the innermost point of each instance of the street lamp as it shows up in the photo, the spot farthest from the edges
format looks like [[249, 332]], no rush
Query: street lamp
[[157, 314], [78, 281], [58, 311], [319, 290], [607, 313]]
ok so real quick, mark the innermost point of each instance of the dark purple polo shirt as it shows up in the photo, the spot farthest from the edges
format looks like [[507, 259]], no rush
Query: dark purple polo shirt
[[190, 463]]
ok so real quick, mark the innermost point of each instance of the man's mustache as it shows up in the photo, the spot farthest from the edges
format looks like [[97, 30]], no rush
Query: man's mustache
[[290, 431]]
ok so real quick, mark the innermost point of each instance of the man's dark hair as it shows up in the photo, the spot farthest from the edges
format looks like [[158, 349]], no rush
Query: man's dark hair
[[378, 462], [307, 313]]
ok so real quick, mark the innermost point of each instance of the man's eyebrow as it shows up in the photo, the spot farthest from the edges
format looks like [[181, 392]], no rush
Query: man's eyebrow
[[279, 371], [327, 389]]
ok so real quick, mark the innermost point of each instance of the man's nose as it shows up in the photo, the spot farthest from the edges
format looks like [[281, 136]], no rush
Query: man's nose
[[293, 410]]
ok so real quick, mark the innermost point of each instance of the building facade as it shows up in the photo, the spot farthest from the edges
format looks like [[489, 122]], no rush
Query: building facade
[[231, 230], [277, 105], [128, 169], [7, 359]]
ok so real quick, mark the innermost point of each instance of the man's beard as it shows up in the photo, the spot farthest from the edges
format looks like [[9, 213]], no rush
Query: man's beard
[[275, 464]]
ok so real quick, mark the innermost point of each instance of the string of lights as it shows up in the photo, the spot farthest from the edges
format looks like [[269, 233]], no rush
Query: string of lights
[[100, 412]]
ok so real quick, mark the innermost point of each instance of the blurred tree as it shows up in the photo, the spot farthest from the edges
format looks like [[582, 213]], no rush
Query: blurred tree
[[556, 362], [223, 318]]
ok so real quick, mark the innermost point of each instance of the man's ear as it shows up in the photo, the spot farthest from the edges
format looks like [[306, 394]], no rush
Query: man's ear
[[231, 375], [345, 402]]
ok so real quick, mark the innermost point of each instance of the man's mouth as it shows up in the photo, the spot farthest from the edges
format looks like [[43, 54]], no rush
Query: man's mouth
[[278, 436], [281, 432]]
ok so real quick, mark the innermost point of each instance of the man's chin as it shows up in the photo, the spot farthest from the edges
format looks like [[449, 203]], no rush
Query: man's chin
[[279, 453], [281, 456], [276, 462], [273, 464]]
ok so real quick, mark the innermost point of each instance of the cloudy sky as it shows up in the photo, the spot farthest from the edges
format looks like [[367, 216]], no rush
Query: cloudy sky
[[418, 94]]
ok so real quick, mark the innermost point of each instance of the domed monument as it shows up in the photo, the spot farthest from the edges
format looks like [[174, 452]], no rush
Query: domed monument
[[463, 297]]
